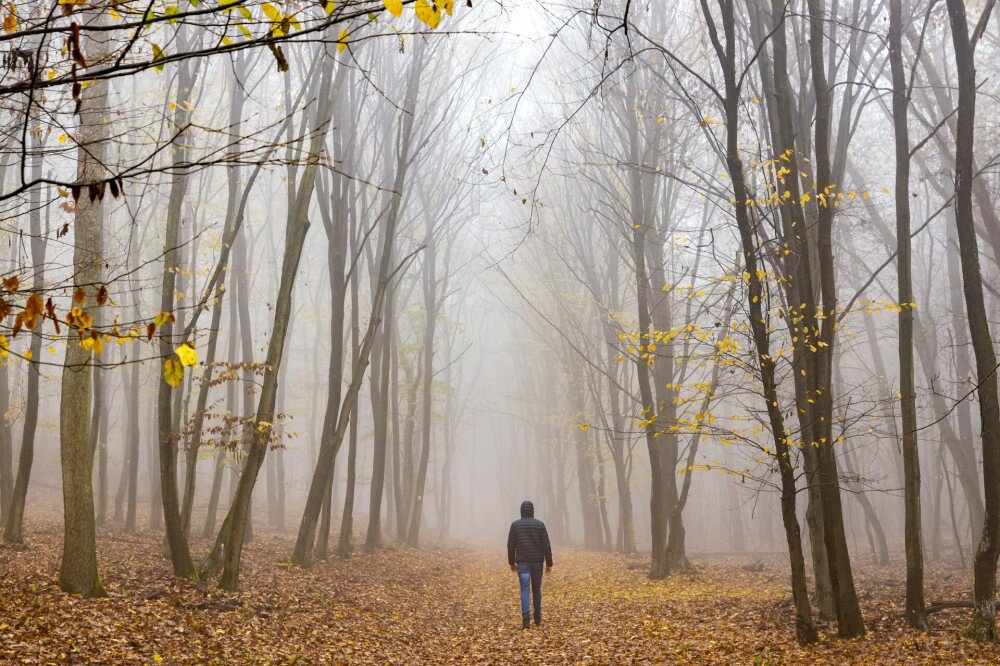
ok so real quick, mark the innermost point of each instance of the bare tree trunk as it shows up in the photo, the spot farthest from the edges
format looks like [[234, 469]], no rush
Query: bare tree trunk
[[804, 630], [99, 440], [344, 544], [850, 622], [14, 512], [231, 534], [380, 413], [223, 448], [6, 449], [167, 410], [983, 626], [430, 326], [915, 615], [319, 501], [658, 497], [78, 572]]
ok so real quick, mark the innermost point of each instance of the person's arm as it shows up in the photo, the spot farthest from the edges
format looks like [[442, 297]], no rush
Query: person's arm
[[510, 548], [546, 547]]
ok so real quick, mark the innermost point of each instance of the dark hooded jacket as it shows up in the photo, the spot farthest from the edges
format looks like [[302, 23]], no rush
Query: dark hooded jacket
[[528, 541]]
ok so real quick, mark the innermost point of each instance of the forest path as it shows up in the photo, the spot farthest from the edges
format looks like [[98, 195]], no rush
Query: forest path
[[452, 604]]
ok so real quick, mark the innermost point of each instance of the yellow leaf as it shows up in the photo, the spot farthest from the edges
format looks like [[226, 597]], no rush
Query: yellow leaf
[[394, 7], [271, 12], [329, 7], [52, 350], [62, 138], [10, 23], [187, 354], [427, 13], [342, 40], [157, 56], [27, 355], [173, 372], [163, 318], [445, 6]]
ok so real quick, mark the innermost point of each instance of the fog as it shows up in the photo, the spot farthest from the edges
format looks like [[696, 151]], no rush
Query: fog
[[362, 280]]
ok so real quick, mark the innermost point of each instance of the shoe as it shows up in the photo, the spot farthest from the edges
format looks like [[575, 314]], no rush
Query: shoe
[[525, 622], [538, 621]]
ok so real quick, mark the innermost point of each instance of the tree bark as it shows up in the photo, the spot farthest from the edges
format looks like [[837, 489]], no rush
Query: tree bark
[[14, 523], [78, 572], [180, 555], [804, 630], [915, 615], [983, 625]]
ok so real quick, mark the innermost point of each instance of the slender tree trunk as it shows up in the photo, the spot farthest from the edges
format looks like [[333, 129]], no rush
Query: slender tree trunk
[[850, 622], [232, 531], [380, 412], [658, 497], [14, 512], [983, 626], [319, 502], [915, 615], [804, 630], [99, 441], [223, 445], [297, 226], [6, 449], [345, 545], [167, 411]]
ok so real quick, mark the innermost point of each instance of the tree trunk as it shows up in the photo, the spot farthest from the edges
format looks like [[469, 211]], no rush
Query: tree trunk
[[850, 622], [14, 508], [99, 440], [804, 630], [223, 448], [983, 626], [915, 615], [380, 414], [78, 571], [344, 544], [166, 409], [430, 326]]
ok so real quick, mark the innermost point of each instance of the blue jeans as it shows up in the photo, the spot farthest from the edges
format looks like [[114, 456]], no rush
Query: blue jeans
[[530, 574]]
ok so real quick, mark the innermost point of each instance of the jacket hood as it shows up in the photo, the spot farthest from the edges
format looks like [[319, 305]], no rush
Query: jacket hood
[[527, 509]]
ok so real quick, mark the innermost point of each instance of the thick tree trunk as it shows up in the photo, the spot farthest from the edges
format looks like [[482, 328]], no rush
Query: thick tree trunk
[[78, 571]]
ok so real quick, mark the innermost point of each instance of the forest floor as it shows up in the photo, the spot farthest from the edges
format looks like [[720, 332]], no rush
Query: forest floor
[[451, 605]]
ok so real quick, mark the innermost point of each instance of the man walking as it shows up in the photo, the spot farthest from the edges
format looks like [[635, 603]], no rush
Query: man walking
[[527, 548]]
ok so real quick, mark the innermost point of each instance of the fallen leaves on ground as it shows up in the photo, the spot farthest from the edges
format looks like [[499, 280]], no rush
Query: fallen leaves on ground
[[451, 604]]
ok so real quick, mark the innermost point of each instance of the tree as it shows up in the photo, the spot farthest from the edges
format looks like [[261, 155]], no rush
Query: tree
[[983, 626]]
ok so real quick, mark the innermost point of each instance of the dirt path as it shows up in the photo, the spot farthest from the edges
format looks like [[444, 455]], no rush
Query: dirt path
[[449, 606]]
